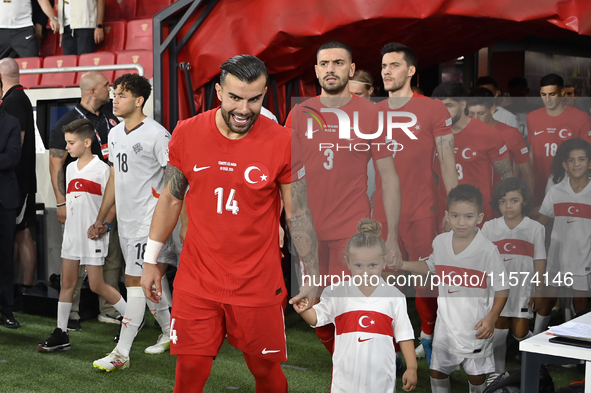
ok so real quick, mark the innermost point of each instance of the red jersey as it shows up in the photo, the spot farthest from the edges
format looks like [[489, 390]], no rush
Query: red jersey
[[231, 254], [477, 146], [518, 151], [414, 163], [336, 169], [545, 134]]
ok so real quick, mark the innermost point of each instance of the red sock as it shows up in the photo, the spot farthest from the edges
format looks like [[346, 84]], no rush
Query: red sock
[[426, 304], [268, 375], [192, 372], [326, 335]]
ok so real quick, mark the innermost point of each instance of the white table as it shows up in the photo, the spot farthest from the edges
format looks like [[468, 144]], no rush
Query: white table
[[538, 350]]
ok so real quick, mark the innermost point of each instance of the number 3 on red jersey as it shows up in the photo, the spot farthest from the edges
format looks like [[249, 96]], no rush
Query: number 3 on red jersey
[[231, 204]]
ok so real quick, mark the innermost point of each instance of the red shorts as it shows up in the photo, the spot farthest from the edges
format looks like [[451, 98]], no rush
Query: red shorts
[[198, 327]]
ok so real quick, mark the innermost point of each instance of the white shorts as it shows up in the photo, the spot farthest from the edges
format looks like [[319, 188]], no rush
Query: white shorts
[[446, 363], [86, 260], [517, 303], [133, 252]]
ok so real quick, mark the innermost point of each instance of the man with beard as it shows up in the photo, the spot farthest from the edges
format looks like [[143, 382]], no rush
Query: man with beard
[[418, 214], [229, 282], [336, 169]]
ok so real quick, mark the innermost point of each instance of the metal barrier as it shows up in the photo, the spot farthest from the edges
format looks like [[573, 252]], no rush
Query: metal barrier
[[114, 67]]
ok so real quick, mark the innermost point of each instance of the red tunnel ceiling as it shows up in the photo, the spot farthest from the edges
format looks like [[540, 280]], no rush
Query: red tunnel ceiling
[[285, 33]]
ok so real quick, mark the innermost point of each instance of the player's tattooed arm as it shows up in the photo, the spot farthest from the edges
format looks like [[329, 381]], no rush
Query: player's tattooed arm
[[301, 227], [176, 181], [57, 158], [447, 160], [503, 168]]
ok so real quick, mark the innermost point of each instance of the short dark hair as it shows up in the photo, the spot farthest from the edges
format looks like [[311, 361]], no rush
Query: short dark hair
[[137, 85], [562, 153], [409, 55], [82, 128], [487, 80], [465, 193], [481, 96], [335, 45], [517, 82], [246, 68], [512, 184], [552, 80], [451, 89]]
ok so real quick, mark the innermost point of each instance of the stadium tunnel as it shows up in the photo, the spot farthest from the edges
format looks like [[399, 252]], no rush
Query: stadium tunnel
[[193, 37]]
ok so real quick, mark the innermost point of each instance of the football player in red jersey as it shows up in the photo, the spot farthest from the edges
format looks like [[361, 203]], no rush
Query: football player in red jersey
[[229, 282], [418, 217]]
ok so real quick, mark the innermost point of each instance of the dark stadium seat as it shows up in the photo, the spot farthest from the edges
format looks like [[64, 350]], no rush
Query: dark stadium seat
[[62, 79], [139, 34], [142, 57], [115, 33], [97, 58], [27, 63], [147, 9]]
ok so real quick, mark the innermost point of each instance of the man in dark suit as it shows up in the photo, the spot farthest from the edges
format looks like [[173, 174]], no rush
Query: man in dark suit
[[10, 152]]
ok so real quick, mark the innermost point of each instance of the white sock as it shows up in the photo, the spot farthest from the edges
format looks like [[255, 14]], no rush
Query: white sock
[[120, 306], [477, 388], [161, 312], [541, 323], [440, 385], [500, 349], [134, 314], [63, 313], [166, 294], [519, 339]]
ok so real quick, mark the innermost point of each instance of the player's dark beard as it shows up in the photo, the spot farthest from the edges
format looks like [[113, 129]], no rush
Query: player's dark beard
[[456, 118], [335, 89], [227, 116]]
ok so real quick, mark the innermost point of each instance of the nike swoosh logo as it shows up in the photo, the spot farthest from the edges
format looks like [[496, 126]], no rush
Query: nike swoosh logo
[[538, 132], [77, 196], [507, 259], [265, 351], [423, 258], [570, 222], [365, 339], [307, 134], [448, 291], [28, 37], [200, 169]]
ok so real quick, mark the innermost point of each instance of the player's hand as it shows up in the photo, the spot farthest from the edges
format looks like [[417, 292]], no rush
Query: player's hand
[[302, 305], [99, 35], [394, 256], [281, 236], [308, 293], [485, 327], [409, 380], [152, 282], [55, 25], [61, 214], [95, 229]]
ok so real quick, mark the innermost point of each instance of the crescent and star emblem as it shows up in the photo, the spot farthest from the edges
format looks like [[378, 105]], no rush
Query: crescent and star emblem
[[247, 175], [361, 321]]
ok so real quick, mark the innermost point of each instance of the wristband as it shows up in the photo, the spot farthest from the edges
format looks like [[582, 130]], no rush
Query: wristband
[[99, 26], [153, 249], [108, 224], [61, 204], [54, 18]]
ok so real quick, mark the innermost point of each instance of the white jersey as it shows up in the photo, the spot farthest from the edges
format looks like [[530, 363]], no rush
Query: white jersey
[[138, 157], [16, 14], [364, 359], [84, 195], [570, 242], [471, 279], [519, 247], [506, 117]]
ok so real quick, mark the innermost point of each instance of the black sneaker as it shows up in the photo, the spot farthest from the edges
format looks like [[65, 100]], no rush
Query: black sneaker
[[74, 324], [58, 341], [117, 336]]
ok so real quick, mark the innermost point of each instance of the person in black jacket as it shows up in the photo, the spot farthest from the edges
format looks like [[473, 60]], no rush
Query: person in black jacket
[[10, 152]]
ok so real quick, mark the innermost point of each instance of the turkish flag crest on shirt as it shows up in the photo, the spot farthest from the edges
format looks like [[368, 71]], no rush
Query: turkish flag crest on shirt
[[256, 176]]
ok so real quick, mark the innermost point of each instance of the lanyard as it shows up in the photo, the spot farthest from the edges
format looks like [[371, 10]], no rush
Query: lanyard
[[98, 137]]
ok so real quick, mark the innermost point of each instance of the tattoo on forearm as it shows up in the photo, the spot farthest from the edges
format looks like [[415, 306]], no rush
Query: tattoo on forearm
[[61, 182], [443, 143], [57, 153], [177, 182], [302, 227], [503, 168]]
